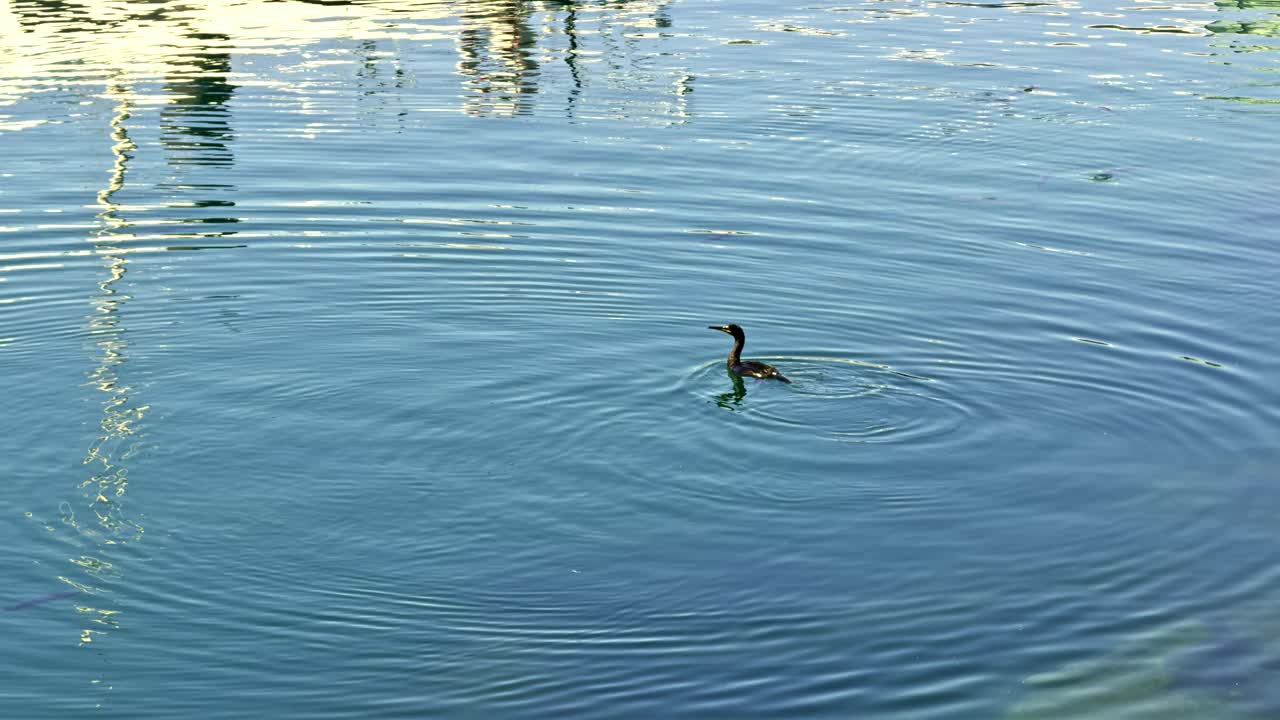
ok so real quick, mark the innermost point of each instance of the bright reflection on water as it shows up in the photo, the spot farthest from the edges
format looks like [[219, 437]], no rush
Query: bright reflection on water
[[357, 361]]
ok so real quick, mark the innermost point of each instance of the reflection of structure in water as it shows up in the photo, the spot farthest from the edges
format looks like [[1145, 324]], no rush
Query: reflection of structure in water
[[509, 49], [124, 49], [497, 48], [508, 53], [107, 524], [132, 44], [195, 124]]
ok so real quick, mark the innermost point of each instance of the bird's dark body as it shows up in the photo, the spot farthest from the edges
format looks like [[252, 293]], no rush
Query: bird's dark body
[[747, 368], [752, 368]]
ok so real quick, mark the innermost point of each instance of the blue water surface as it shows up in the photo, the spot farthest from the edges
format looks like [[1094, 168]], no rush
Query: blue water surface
[[357, 361]]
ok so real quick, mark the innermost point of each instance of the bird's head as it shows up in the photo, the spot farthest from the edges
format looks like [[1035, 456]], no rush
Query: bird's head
[[733, 330]]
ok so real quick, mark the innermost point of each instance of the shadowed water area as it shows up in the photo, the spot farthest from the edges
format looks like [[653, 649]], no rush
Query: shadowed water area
[[357, 361]]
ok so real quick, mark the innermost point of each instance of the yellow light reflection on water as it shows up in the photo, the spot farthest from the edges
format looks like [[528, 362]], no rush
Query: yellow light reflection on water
[[105, 522]]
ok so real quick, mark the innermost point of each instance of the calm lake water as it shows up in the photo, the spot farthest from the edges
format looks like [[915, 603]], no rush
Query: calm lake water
[[357, 365]]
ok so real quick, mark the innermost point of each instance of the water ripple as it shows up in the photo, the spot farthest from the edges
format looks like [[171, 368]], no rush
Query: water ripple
[[839, 399]]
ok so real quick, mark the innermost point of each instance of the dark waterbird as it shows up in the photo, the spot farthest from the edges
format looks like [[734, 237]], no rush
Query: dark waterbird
[[746, 368]]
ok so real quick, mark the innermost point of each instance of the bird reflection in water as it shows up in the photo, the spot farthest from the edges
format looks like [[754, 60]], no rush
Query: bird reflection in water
[[732, 400]]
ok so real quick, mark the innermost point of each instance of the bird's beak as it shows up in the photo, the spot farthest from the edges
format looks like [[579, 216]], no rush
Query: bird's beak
[[721, 328]]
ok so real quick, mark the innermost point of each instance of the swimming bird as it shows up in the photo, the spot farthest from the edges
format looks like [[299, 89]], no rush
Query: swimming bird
[[749, 368]]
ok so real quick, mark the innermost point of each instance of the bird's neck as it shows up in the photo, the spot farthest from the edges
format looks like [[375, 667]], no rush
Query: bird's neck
[[736, 354]]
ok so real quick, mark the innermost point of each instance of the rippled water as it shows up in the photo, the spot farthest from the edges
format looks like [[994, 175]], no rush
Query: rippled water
[[357, 361]]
